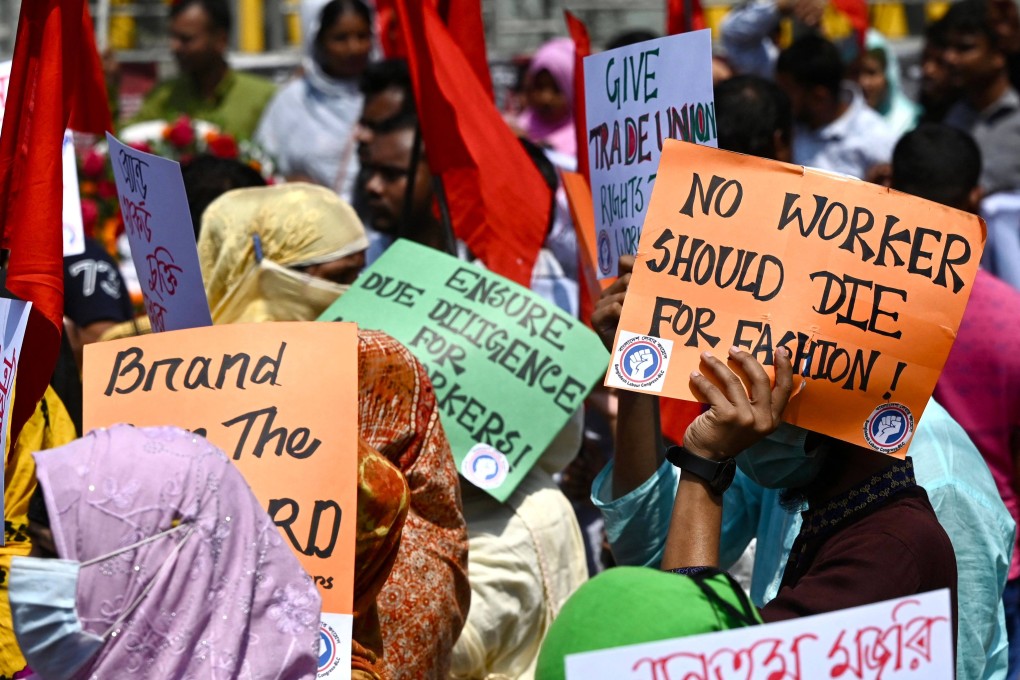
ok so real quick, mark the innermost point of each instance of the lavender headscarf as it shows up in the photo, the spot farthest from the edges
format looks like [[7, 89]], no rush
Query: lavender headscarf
[[556, 57], [233, 603]]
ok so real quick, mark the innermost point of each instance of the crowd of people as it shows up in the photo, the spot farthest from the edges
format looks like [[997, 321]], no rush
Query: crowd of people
[[168, 567]]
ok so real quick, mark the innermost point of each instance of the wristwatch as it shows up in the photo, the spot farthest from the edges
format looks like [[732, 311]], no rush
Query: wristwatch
[[718, 474]]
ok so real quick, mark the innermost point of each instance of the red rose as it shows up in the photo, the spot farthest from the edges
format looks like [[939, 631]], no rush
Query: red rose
[[106, 189], [222, 146], [181, 133], [94, 164], [89, 215], [141, 146]]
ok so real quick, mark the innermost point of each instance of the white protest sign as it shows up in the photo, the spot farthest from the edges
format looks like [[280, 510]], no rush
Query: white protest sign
[[13, 321], [910, 637], [74, 228], [158, 224], [636, 97]]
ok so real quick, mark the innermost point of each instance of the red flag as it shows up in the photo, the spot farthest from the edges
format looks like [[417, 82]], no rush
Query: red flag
[[464, 20], [47, 56], [91, 110], [677, 416], [582, 48], [677, 19], [498, 202]]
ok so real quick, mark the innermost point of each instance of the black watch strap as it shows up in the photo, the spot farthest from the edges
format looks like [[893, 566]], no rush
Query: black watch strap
[[718, 474]]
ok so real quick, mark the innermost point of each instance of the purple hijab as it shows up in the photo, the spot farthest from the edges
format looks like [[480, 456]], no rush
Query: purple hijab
[[556, 57], [234, 602]]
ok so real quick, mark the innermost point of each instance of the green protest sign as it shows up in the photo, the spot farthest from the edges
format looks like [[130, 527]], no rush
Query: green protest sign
[[508, 368]]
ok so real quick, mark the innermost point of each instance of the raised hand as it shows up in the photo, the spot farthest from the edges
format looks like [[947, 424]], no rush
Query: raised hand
[[735, 420], [606, 316]]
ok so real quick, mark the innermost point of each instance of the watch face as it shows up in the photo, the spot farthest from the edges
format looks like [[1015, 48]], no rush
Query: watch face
[[725, 476]]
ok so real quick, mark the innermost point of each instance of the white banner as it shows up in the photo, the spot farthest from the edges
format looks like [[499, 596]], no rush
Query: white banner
[[895, 640]]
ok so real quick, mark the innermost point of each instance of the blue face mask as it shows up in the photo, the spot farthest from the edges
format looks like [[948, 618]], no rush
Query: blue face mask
[[780, 462], [42, 593]]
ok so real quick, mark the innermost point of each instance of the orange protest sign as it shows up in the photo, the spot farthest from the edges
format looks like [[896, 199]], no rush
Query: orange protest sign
[[286, 417], [582, 212], [865, 286]]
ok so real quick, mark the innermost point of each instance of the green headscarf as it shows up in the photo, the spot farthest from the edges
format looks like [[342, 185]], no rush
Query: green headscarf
[[631, 605]]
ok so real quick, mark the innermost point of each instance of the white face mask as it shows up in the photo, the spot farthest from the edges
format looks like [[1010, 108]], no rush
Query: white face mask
[[780, 461], [42, 594], [271, 292]]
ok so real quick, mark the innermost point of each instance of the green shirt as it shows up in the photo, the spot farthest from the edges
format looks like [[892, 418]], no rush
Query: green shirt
[[235, 107]]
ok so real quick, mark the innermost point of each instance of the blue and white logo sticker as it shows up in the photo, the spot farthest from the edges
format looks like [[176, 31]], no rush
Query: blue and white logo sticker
[[485, 467], [640, 361], [329, 645], [605, 254], [889, 427]]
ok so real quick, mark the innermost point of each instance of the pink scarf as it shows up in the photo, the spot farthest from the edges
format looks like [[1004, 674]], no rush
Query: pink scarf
[[233, 603], [556, 57]]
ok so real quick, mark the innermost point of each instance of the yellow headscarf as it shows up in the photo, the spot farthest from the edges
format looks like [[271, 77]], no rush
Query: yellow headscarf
[[296, 225]]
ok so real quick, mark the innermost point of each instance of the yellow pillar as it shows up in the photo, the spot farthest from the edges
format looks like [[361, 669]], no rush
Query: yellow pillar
[[251, 15], [294, 23], [122, 28], [890, 19], [934, 10], [714, 16]]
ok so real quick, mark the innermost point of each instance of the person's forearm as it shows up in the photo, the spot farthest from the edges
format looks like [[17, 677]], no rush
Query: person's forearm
[[639, 447], [693, 538]]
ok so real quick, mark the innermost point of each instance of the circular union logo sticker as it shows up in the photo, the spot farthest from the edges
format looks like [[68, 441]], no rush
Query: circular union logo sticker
[[485, 467], [889, 427]]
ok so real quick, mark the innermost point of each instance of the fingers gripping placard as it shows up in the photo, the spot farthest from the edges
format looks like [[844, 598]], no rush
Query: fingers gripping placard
[[865, 286]]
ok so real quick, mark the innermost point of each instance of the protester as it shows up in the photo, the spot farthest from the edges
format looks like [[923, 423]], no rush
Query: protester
[[424, 604], [207, 88], [208, 177], [394, 209], [636, 492], [95, 297], [548, 118], [878, 76], [990, 108], [937, 92], [166, 562], [309, 126], [869, 533], [49, 427], [835, 130], [281, 253], [980, 383]]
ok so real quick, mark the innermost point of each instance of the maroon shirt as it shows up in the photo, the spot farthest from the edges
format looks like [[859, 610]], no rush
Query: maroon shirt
[[878, 542]]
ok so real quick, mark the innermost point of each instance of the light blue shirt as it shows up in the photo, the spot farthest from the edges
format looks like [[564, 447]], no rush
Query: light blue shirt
[[946, 464], [746, 37], [1002, 247]]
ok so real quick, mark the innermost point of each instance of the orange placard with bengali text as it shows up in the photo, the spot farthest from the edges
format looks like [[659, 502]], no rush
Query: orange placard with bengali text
[[280, 399], [865, 286]]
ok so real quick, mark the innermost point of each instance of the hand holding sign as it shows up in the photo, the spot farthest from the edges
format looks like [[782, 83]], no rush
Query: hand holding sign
[[734, 422], [864, 286]]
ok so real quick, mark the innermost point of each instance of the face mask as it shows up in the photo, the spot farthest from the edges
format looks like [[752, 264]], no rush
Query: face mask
[[270, 292], [780, 462], [42, 594]]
